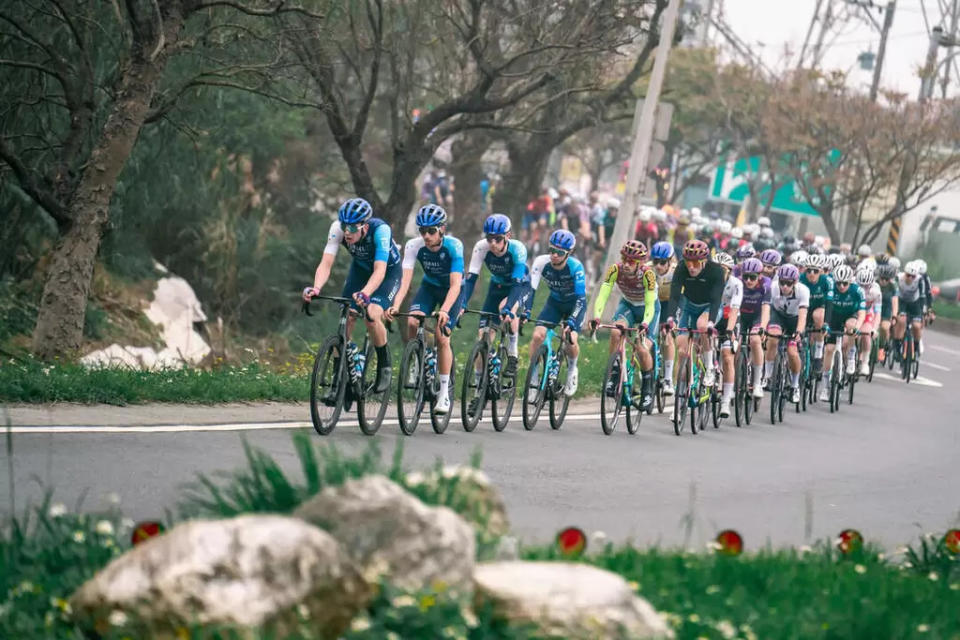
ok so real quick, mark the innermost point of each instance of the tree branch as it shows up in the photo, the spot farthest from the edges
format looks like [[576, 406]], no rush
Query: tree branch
[[278, 8], [31, 186]]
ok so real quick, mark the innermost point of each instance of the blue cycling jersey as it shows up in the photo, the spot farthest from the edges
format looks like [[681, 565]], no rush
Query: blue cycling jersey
[[568, 284], [437, 265], [376, 246], [508, 269]]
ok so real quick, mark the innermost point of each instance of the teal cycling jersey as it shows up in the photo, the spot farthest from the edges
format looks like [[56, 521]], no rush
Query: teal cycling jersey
[[847, 303], [822, 291], [437, 265]]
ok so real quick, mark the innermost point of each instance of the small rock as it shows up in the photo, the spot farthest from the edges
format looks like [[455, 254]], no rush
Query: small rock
[[249, 571], [390, 532], [566, 600]]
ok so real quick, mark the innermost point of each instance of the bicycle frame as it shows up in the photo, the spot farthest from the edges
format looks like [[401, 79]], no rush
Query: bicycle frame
[[629, 367]]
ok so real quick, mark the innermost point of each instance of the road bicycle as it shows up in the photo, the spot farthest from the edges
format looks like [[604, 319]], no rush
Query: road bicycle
[[690, 394], [840, 380], [909, 365], [338, 381], [485, 379], [544, 382], [744, 402], [778, 381], [874, 354], [420, 381], [617, 392]]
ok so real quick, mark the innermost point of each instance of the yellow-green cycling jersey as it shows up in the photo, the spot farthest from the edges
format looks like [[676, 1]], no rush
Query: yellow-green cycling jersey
[[638, 289]]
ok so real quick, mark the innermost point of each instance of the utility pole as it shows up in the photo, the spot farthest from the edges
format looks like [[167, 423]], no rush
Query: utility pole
[[954, 16], [887, 23], [824, 27], [928, 78], [643, 137]]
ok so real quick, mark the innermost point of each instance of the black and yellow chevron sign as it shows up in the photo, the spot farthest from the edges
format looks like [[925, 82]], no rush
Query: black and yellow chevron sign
[[893, 238]]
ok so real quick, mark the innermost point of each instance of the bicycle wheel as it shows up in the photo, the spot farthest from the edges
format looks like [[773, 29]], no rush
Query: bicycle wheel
[[611, 403], [474, 391], [851, 383], [782, 400], [410, 387], [441, 421], [534, 389], [681, 394], [749, 404], [327, 385], [836, 374], [906, 357], [739, 386], [775, 389], [501, 406], [661, 399], [715, 397], [371, 406], [634, 413], [874, 348], [559, 401]]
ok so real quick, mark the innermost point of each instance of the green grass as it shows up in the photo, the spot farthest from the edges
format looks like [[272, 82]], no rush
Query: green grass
[[947, 310], [807, 593]]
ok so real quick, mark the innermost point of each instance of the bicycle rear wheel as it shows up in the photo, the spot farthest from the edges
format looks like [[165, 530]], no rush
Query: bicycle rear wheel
[[371, 406], [501, 406], [681, 394], [775, 390], [634, 414], [534, 389], [410, 387], [836, 373], [739, 386], [611, 403], [474, 392], [441, 421], [327, 385], [559, 401]]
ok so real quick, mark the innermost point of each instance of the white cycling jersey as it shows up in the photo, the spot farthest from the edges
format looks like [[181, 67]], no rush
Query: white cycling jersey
[[910, 291], [873, 297], [732, 293], [789, 305]]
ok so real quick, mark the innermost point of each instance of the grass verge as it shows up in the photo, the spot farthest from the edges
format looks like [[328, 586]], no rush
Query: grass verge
[[804, 593]]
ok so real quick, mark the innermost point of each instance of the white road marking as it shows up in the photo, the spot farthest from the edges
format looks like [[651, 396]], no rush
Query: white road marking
[[924, 363], [925, 382], [944, 349]]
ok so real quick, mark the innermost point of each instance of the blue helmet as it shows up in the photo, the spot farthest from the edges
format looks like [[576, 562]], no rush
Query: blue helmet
[[354, 211], [563, 239], [431, 215], [497, 224], [662, 251]]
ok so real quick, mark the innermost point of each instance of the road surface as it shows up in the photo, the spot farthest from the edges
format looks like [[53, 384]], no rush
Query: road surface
[[886, 465]]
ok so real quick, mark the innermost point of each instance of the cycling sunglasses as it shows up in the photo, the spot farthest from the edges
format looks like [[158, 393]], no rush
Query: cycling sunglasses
[[353, 228], [812, 271], [660, 261], [496, 238], [787, 283], [751, 276], [558, 252], [429, 231]]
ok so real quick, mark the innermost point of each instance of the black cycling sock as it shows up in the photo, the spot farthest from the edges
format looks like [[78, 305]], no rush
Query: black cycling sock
[[383, 356]]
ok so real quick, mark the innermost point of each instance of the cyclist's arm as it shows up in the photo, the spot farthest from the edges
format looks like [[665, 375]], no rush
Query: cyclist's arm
[[334, 238], [803, 293], [409, 262], [861, 309], [453, 293], [802, 319], [604, 294], [650, 295], [456, 273], [735, 303], [536, 270], [716, 291], [676, 286], [895, 305], [382, 240], [764, 315], [519, 252], [473, 273]]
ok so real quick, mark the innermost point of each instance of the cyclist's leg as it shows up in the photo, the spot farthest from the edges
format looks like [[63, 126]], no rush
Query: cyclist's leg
[[849, 343], [551, 313], [382, 299], [774, 331], [817, 339], [726, 357], [899, 329], [355, 281], [866, 341], [624, 316], [706, 346], [423, 303], [793, 355]]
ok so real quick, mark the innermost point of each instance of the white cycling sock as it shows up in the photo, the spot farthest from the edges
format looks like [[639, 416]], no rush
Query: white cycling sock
[[512, 340], [727, 390], [668, 370], [795, 379], [444, 384], [757, 376], [767, 368], [708, 357], [572, 362], [818, 350]]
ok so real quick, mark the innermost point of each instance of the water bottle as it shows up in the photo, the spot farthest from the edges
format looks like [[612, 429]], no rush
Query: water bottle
[[495, 365]]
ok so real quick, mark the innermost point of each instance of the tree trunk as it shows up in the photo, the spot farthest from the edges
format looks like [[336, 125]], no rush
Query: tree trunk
[[831, 225], [522, 182], [467, 171], [59, 329]]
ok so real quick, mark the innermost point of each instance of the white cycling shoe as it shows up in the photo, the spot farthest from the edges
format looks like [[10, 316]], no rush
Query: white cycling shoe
[[825, 392], [443, 405], [570, 387], [667, 387], [758, 391], [709, 377], [865, 368], [851, 367], [725, 408]]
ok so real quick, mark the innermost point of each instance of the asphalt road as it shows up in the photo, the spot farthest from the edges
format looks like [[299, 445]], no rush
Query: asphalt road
[[886, 465]]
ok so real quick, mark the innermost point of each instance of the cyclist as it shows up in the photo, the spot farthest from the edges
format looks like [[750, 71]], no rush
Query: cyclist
[[849, 311], [646, 230], [928, 314], [639, 307], [755, 315], [873, 298], [441, 257], [681, 234], [789, 302], [700, 284], [729, 327], [744, 252], [820, 284], [506, 259], [771, 259], [889, 307], [566, 279], [661, 255], [912, 298], [373, 277], [865, 257]]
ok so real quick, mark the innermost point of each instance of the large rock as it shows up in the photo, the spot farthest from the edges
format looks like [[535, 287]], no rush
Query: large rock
[[390, 532], [566, 600], [469, 492], [247, 571]]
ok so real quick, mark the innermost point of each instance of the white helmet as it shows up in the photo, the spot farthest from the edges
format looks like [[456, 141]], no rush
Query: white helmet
[[912, 268], [815, 260], [922, 265], [843, 273], [553, 193], [799, 258], [613, 203], [864, 251], [724, 259], [867, 263], [695, 212], [645, 214], [724, 226], [766, 232], [894, 262], [736, 232], [764, 221], [659, 215], [865, 277], [836, 260]]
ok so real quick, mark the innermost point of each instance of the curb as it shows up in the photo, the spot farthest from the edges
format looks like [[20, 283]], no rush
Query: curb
[[945, 325]]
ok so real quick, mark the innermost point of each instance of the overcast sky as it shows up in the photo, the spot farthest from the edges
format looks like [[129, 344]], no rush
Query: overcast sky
[[780, 23]]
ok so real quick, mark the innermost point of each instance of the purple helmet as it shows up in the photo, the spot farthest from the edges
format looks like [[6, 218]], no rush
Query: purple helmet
[[751, 265], [746, 251], [771, 257], [788, 272]]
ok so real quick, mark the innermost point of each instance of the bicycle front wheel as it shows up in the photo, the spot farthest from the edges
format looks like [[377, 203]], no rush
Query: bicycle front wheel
[[474, 393], [681, 394], [327, 385], [611, 395], [410, 387], [440, 421], [534, 389], [775, 390], [501, 406], [559, 401], [371, 405]]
